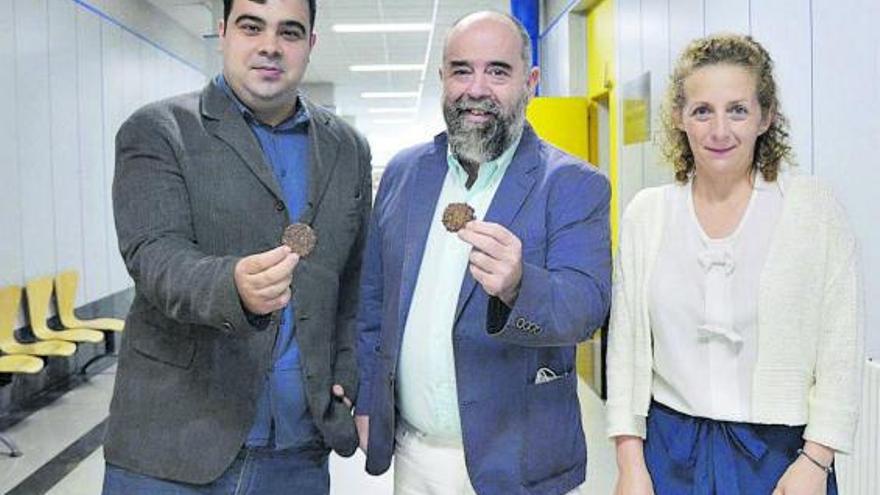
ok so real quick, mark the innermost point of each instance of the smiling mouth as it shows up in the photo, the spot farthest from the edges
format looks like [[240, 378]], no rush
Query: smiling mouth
[[721, 151], [478, 114]]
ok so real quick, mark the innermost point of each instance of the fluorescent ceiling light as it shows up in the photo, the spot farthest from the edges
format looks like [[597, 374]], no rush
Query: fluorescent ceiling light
[[392, 110], [393, 121], [381, 28], [390, 94], [386, 68]]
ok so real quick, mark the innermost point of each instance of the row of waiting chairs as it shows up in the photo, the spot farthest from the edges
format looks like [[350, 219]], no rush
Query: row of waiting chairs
[[27, 358]]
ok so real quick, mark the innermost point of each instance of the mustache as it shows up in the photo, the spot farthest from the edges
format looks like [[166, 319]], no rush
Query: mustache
[[485, 105]]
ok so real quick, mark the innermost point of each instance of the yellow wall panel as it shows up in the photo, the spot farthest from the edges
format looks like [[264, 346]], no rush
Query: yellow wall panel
[[600, 48], [601, 70], [562, 122]]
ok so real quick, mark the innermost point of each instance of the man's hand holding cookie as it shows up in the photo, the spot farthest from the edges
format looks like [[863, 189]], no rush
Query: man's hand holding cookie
[[263, 279], [496, 259]]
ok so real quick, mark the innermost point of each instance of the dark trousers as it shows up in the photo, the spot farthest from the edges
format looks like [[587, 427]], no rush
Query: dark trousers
[[255, 471]]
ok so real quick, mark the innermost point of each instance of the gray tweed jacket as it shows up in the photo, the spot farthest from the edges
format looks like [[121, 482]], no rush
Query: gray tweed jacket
[[192, 194]]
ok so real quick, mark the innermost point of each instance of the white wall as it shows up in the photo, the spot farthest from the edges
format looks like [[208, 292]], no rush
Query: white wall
[[827, 56], [70, 77], [563, 48]]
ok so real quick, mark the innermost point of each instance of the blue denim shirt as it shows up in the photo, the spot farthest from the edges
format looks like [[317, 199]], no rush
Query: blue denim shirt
[[283, 419]]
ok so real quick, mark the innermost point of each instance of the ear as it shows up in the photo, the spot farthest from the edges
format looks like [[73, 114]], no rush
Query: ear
[[677, 120], [221, 29], [767, 121], [533, 80], [313, 38], [440, 73]]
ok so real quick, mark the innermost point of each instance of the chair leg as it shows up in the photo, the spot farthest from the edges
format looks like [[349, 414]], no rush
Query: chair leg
[[90, 362], [13, 449]]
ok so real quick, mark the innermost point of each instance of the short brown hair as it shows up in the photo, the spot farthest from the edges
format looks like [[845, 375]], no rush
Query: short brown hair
[[771, 148]]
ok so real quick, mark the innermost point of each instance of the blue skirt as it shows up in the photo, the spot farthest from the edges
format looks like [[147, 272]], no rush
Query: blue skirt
[[699, 456]]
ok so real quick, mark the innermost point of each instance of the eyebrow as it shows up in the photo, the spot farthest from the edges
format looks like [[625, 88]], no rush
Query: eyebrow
[[286, 24], [499, 64], [248, 17], [293, 24]]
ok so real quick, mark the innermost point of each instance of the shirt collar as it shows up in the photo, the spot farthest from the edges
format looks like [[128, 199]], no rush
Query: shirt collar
[[300, 118], [487, 172]]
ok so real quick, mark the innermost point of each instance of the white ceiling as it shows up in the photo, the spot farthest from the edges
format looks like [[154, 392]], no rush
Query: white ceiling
[[335, 52]]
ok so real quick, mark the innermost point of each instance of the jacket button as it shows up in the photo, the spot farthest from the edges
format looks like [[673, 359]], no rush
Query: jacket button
[[279, 205], [228, 326]]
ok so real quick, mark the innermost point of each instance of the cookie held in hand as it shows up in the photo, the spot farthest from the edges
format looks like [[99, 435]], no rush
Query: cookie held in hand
[[456, 215], [300, 238]]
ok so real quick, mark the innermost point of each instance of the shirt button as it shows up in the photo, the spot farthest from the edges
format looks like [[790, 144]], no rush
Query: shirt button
[[279, 205]]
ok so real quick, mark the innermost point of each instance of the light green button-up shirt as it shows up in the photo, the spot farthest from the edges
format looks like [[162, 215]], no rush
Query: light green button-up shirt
[[426, 386]]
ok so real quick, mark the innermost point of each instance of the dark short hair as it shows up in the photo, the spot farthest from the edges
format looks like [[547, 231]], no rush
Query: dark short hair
[[227, 8]]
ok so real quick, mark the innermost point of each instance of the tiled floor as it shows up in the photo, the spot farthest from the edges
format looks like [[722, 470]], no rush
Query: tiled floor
[[49, 431]]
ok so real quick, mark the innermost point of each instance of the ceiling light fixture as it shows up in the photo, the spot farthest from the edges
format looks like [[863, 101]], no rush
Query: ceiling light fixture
[[382, 28], [393, 121], [390, 94], [387, 68], [392, 110]]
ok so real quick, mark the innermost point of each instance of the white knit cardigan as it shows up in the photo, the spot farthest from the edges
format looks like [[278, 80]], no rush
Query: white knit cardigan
[[810, 323]]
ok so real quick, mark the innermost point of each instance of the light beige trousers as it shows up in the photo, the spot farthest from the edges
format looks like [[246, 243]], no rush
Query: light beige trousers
[[423, 467]]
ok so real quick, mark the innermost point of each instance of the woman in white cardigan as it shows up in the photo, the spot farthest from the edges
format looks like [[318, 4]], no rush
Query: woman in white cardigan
[[735, 345]]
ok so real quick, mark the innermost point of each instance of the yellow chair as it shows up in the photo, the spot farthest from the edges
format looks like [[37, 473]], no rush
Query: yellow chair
[[10, 302], [65, 295], [18, 364], [39, 293]]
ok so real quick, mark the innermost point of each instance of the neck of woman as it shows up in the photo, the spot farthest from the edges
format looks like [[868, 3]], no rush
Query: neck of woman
[[722, 188]]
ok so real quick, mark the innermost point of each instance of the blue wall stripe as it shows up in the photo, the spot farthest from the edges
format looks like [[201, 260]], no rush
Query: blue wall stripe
[[113, 20], [559, 17], [529, 14]]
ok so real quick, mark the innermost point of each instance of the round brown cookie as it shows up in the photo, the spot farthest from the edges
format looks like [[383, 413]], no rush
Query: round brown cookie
[[456, 215], [300, 238]]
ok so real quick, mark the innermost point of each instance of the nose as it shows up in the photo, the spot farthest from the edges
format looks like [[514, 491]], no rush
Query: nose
[[479, 86], [720, 131], [270, 46]]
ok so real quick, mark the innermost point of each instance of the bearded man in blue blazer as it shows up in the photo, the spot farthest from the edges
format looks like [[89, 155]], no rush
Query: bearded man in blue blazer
[[467, 339]]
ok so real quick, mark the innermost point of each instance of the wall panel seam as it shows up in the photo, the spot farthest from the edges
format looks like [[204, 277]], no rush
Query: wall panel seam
[[100, 13]]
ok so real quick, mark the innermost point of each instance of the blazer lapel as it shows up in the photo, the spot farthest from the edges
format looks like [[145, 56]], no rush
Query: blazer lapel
[[225, 121], [323, 150], [422, 200], [515, 187]]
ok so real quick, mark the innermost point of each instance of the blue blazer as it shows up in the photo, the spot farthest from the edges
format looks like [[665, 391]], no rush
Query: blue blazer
[[519, 437]]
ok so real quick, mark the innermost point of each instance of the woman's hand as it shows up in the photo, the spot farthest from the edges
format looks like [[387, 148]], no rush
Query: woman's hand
[[633, 477], [803, 477], [634, 481]]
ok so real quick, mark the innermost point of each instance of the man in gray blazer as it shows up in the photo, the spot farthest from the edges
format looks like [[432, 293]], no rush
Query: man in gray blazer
[[237, 370]]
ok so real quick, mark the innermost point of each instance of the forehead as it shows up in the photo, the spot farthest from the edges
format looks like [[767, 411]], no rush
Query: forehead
[[720, 82], [297, 10], [487, 39]]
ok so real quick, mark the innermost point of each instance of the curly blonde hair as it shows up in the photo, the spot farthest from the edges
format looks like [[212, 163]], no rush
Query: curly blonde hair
[[771, 148]]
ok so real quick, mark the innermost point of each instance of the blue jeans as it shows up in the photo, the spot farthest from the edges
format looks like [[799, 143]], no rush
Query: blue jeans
[[255, 471]]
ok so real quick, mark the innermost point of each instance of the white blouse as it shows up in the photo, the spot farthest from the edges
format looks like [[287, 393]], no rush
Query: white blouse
[[703, 306]]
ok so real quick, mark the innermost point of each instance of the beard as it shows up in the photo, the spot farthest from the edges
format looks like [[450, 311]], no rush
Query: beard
[[481, 142]]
